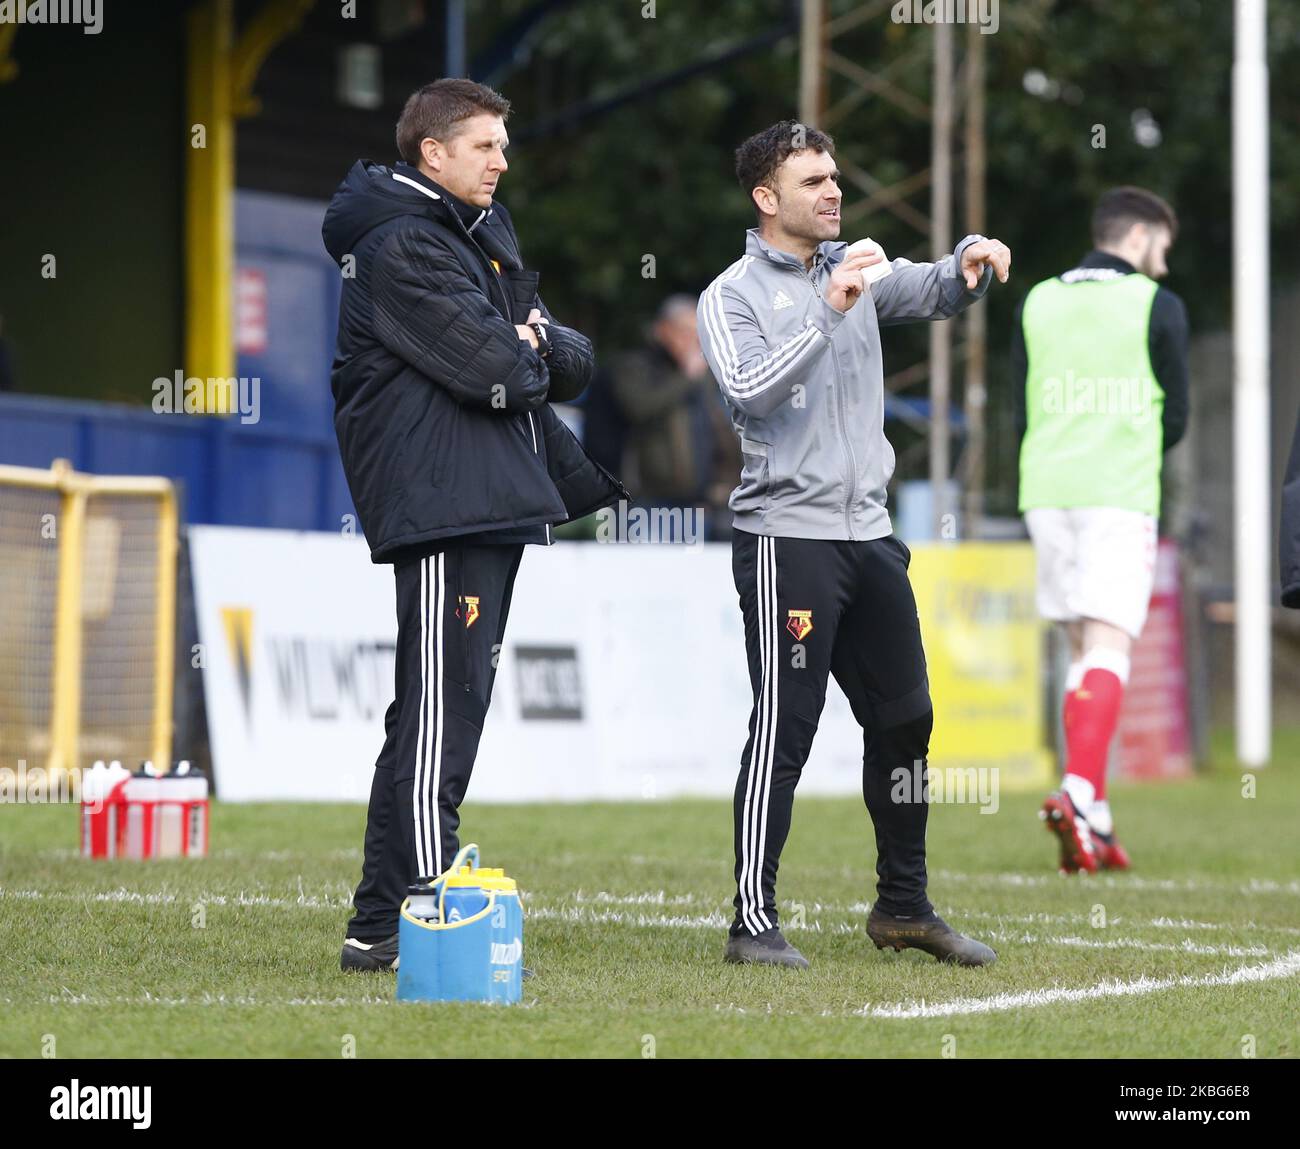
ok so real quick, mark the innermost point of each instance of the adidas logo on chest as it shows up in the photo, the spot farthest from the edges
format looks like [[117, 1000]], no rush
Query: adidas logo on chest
[[780, 301]]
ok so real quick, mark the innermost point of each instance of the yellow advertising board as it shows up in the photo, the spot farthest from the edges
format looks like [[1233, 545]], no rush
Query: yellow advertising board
[[984, 650]]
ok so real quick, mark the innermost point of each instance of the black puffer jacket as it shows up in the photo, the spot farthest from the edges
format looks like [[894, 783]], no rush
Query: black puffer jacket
[[441, 410]]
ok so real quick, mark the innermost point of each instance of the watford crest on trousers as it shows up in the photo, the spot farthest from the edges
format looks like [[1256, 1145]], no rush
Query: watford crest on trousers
[[799, 623]]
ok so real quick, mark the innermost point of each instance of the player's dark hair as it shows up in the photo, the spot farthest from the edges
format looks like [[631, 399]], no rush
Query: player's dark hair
[[759, 156], [1120, 208], [433, 112]]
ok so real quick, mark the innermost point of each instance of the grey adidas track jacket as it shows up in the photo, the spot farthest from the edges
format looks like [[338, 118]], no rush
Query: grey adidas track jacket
[[804, 383]]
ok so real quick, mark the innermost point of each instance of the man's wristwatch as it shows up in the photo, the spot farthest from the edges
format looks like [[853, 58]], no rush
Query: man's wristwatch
[[543, 340]]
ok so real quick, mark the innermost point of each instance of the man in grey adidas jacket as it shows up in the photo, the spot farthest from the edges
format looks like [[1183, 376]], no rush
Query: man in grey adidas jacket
[[791, 332]]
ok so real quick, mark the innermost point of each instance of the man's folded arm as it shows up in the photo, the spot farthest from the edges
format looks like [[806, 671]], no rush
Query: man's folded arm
[[572, 362], [428, 312], [928, 290], [754, 375]]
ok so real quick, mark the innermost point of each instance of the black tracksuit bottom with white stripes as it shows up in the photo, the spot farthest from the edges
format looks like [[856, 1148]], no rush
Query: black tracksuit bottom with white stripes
[[451, 621], [814, 608]]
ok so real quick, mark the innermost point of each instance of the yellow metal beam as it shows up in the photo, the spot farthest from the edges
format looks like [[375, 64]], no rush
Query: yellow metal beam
[[165, 633], [8, 66], [274, 22], [209, 196], [65, 719], [61, 477], [221, 76]]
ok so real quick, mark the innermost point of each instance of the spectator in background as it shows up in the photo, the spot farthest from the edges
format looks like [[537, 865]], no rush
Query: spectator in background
[[680, 445], [6, 362], [604, 429]]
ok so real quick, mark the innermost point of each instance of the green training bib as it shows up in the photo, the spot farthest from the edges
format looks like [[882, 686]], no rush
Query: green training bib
[[1094, 407]]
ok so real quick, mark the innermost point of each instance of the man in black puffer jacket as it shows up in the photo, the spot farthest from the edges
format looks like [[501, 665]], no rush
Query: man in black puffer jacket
[[447, 361]]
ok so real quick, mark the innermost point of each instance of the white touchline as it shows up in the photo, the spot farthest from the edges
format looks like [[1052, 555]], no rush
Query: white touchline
[[345, 853], [1186, 946], [564, 908], [1161, 923], [580, 914], [1286, 966], [210, 999], [163, 898], [1117, 882], [618, 917]]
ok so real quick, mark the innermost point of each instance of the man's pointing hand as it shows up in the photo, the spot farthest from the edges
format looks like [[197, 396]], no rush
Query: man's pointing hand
[[991, 252]]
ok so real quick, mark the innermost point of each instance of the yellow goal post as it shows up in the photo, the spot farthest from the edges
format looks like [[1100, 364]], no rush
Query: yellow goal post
[[87, 617]]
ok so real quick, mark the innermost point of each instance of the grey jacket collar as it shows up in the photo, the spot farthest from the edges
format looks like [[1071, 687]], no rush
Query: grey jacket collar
[[830, 251]]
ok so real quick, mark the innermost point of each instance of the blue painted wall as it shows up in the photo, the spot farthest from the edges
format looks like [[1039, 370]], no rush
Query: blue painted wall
[[282, 471]]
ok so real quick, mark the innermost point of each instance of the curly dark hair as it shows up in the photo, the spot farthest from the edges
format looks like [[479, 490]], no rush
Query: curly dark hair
[[759, 156], [1120, 208], [433, 112]]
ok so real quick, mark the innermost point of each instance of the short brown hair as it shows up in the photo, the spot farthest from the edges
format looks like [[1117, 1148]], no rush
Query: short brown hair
[[1120, 208], [759, 156], [433, 112]]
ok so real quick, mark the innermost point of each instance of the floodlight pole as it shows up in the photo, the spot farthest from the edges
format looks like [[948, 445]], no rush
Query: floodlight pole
[[1250, 361]]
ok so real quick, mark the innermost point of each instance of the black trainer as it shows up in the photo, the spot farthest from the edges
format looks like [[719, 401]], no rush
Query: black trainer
[[767, 948], [369, 956], [930, 934]]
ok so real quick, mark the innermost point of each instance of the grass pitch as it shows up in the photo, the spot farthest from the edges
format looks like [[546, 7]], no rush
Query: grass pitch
[[1195, 953]]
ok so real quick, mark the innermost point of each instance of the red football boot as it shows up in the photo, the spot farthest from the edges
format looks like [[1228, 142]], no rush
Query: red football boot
[[1110, 854], [1076, 839]]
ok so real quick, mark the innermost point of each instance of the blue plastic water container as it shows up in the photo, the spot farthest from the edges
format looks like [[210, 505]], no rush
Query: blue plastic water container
[[473, 949]]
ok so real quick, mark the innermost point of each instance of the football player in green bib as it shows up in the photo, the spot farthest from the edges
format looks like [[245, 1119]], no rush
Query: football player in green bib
[[1099, 361]]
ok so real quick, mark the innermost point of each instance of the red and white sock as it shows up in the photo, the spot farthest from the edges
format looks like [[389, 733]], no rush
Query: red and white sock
[[1091, 715], [1073, 680], [1100, 820]]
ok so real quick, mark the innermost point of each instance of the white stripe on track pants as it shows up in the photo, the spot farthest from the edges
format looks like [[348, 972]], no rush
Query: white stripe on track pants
[[451, 617], [814, 608]]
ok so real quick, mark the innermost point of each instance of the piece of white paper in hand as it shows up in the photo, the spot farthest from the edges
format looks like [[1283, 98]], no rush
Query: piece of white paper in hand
[[877, 270]]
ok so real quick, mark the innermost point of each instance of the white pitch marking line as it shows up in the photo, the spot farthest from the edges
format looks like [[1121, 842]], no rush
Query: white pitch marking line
[[162, 897], [660, 898], [221, 999], [578, 914], [618, 917], [581, 915], [349, 853], [1285, 966], [1120, 882], [1161, 923], [561, 910], [1186, 946], [209, 999]]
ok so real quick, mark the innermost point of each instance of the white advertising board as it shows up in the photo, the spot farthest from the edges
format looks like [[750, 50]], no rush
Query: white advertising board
[[623, 674]]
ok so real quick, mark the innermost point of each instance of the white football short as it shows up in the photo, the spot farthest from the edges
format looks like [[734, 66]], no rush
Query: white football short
[[1094, 562]]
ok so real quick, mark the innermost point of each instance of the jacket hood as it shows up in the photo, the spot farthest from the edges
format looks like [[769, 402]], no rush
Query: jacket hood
[[368, 197]]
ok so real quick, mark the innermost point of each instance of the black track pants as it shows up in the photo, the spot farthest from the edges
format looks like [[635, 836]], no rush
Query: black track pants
[[451, 620], [813, 608]]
